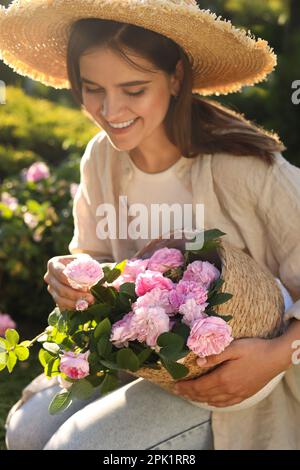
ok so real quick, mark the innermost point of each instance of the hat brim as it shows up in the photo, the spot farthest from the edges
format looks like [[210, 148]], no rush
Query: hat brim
[[34, 38]]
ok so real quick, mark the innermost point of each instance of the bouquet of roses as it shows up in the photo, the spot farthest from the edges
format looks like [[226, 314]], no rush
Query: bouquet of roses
[[156, 316]]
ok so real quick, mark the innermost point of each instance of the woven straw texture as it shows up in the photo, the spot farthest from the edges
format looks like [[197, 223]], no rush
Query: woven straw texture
[[34, 38], [257, 305]]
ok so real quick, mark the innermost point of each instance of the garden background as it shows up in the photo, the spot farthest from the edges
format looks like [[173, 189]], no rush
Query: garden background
[[39, 123]]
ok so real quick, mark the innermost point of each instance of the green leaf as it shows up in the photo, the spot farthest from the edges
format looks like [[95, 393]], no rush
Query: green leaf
[[215, 286], [54, 317], [93, 359], [51, 347], [45, 357], [112, 275], [109, 364], [213, 234], [220, 298], [104, 328], [60, 402], [128, 288], [12, 337], [104, 346], [103, 294], [121, 266], [52, 367], [170, 340], [82, 389], [144, 355], [26, 343], [66, 343], [11, 361], [176, 370], [4, 346], [170, 354], [127, 359], [2, 366], [61, 324], [182, 330], [3, 358], [109, 383], [100, 311], [22, 353]]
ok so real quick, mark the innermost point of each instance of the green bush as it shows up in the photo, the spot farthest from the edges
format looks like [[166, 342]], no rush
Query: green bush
[[49, 132], [38, 224]]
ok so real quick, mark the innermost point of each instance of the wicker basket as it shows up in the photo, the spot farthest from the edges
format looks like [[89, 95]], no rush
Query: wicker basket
[[257, 305]]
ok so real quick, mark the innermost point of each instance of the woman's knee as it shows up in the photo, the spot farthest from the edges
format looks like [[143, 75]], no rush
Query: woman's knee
[[30, 425]]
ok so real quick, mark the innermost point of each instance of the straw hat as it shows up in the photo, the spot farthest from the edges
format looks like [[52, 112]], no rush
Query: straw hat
[[257, 304], [34, 37]]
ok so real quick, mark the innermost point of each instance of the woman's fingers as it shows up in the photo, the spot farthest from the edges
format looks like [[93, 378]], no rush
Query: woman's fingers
[[69, 293], [56, 267], [58, 286], [65, 303]]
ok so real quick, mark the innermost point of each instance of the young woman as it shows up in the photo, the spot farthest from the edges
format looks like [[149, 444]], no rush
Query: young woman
[[138, 69]]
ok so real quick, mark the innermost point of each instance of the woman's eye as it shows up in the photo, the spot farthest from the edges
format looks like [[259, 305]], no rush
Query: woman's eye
[[136, 94], [90, 90]]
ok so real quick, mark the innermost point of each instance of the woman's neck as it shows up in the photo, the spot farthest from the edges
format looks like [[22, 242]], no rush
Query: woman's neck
[[153, 158]]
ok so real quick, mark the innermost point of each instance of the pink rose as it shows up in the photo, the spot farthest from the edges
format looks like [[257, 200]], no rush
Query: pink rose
[[31, 220], [202, 272], [6, 323], [83, 272], [149, 323], [209, 336], [132, 269], [37, 171], [146, 281], [10, 201], [164, 259], [186, 290], [191, 311], [122, 331], [81, 305], [75, 366], [155, 298]]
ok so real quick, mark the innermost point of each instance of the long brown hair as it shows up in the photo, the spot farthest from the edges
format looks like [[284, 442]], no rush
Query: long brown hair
[[193, 124]]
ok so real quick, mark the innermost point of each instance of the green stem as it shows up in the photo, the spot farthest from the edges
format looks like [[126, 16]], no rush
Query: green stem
[[36, 338]]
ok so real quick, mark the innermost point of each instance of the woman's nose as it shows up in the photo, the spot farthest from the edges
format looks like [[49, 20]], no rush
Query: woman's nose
[[111, 107]]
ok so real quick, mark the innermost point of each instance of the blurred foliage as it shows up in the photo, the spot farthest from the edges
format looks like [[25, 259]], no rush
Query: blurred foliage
[[36, 130], [269, 103], [33, 129]]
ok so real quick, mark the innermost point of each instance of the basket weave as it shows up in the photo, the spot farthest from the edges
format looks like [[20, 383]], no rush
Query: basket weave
[[257, 304]]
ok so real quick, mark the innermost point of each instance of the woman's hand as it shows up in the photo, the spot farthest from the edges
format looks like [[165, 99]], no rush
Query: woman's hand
[[247, 366], [63, 294]]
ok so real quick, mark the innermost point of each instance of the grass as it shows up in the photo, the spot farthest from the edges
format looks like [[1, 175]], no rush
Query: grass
[[11, 385]]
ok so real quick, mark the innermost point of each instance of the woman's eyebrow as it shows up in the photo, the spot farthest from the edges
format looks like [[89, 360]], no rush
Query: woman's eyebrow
[[134, 83]]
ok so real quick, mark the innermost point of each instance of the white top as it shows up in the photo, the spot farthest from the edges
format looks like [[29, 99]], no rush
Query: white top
[[152, 192]]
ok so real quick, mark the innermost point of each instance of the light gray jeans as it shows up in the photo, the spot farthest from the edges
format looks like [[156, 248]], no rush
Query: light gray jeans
[[138, 415]]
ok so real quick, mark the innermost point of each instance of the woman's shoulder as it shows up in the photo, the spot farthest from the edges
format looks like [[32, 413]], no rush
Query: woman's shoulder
[[94, 146], [248, 174]]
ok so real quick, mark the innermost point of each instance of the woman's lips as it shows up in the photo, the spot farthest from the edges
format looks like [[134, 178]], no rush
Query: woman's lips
[[123, 130]]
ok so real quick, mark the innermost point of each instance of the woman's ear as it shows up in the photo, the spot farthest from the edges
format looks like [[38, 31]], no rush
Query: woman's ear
[[177, 78]]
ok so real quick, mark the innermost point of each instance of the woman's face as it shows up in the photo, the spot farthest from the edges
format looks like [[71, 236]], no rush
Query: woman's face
[[109, 100]]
